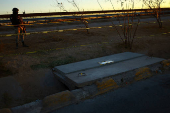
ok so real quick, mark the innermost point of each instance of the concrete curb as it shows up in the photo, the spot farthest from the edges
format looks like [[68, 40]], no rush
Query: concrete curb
[[61, 99], [142, 73], [106, 85], [33, 107], [57, 100]]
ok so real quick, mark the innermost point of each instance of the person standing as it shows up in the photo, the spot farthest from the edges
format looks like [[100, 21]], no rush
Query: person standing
[[16, 21]]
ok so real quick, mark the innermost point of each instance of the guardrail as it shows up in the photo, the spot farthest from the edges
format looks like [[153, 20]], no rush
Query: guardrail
[[82, 12], [78, 18]]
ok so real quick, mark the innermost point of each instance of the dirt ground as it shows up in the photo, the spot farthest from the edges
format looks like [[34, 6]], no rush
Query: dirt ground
[[59, 48]]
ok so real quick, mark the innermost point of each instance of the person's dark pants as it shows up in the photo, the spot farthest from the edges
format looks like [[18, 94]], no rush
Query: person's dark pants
[[19, 30]]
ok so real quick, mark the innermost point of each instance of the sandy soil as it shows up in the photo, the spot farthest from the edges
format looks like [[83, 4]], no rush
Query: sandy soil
[[26, 68]]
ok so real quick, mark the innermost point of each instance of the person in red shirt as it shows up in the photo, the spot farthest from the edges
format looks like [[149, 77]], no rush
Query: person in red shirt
[[16, 21]]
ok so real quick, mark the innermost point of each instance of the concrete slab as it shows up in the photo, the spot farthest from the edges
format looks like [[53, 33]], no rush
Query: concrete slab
[[93, 63], [85, 73], [110, 70]]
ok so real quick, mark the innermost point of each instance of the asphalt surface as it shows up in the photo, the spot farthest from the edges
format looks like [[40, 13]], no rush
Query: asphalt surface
[[91, 24], [151, 95]]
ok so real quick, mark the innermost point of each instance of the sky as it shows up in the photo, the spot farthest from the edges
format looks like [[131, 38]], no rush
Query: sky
[[45, 6]]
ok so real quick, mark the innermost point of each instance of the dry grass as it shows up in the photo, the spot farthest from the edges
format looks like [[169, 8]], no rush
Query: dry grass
[[144, 43]]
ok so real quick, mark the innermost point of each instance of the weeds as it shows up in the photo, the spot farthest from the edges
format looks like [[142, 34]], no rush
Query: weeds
[[155, 5], [127, 30], [127, 35]]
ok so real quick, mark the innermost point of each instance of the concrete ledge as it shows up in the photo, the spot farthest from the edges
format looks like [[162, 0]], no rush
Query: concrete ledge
[[93, 63], [166, 64], [124, 78], [106, 85], [63, 79], [57, 100], [142, 73], [92, 75], [5, 110], [92, 90], [80, 94]]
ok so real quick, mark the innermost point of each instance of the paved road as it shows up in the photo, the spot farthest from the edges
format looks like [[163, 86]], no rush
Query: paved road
[[147, 96], [80, 25]]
